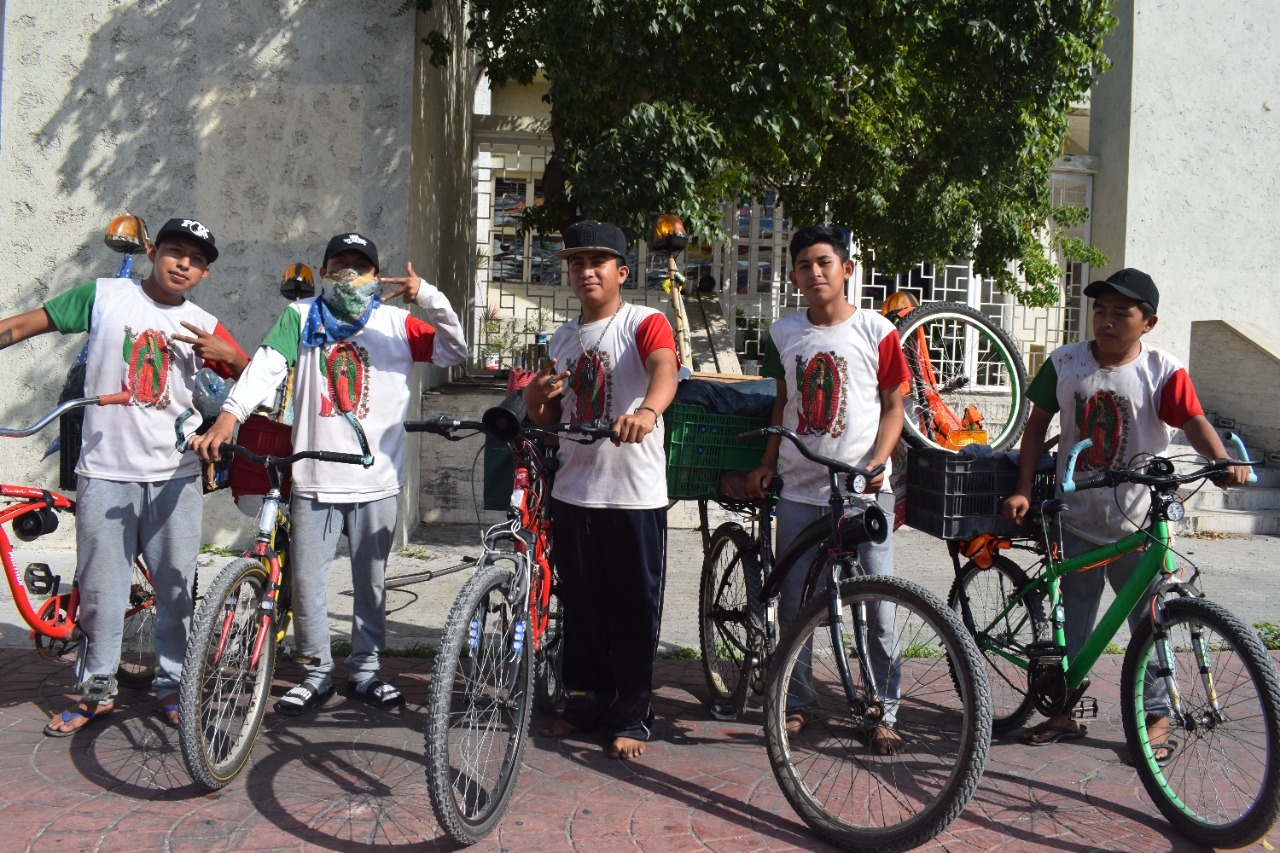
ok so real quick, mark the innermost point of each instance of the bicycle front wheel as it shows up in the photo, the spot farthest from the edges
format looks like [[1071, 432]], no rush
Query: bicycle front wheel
[[912, 667], [478, 707], [1220, 785], [224, 691], [730, 618], [1002, 628], [959, 358], [137, 646]]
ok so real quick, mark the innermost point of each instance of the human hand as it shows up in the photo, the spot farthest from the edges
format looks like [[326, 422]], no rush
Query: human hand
[[759, 479], [1236, 475], [209, 446], [1016, 507], [546, 386], [208, 346], [633, 428], [408, 285]]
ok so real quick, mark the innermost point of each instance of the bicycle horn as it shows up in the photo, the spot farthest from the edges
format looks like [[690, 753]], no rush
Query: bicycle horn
[[503, 421], [127, 235], [859, 524], [32, 525], [297, 282]]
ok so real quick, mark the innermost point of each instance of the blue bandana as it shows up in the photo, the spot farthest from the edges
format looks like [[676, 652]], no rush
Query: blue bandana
[[322, 327]]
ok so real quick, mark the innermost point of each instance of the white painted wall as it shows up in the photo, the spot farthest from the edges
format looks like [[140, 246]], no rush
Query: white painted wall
[[1187, 131], [275, 122]]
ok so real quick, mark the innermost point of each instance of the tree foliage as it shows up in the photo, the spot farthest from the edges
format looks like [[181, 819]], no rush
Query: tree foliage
[[926, 127]]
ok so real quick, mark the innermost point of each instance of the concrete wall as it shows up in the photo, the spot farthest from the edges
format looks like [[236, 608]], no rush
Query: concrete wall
[[276, 122], [1187, 131], [1223, 354]]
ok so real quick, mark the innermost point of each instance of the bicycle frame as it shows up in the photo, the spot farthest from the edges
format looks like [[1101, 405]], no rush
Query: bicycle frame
[[62, 622]]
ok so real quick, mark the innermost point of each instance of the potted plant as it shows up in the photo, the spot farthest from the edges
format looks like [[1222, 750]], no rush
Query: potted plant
[[498, 335]]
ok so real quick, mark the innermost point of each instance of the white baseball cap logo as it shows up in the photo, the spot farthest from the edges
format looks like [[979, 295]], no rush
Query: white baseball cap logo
[[196, 228], [355, 238]]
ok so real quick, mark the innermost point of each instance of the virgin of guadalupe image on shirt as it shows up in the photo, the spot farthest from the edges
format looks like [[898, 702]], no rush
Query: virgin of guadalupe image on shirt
[[346, 371]]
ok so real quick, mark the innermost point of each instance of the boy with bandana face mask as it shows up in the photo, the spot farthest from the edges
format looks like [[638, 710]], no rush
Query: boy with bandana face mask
[[354, 354]]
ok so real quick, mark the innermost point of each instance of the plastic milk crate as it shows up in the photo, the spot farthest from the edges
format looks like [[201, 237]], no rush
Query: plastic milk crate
[[954, 496], [700, 445]]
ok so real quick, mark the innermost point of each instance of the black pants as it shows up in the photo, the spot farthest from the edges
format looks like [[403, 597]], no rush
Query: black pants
[[612, 565]]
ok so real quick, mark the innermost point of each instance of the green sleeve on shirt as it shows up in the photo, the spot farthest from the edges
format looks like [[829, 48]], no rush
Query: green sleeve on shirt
[[72, 310], [1043, 390], [772, 365], [284, 336]]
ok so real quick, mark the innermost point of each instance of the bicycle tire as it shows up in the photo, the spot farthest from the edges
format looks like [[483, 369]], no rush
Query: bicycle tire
[[1221, 786], [976, 363], [222, 699], [730, 617], [548, 666], [855, 798], [137, 645], [988, 591], [478, 708]]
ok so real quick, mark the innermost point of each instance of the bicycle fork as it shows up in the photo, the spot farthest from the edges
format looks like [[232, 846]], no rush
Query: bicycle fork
[[871, 705]]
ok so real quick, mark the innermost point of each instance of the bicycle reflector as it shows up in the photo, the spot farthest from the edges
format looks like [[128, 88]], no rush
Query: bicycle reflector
[[297, 282], [862, 523], [127, 235]]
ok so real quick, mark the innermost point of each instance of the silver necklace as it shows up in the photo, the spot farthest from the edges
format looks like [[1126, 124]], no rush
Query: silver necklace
[[589, 362]]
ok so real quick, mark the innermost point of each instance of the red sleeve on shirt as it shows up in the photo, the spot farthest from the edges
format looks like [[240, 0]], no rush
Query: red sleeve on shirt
[[654, 333], [224, 370], [1178, 400], [892, 372], [422, 338]]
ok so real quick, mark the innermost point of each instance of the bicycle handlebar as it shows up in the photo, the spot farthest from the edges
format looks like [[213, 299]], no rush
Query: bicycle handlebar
[[826, 461], [1116, 476], [364, 458], [119, 397], [504, 424]]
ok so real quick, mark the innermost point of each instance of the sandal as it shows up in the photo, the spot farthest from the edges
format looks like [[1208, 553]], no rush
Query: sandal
[[303, 698], [1045, 734], [169, 711], [90, 717], [377, 693], [796, 721], [884, 741]]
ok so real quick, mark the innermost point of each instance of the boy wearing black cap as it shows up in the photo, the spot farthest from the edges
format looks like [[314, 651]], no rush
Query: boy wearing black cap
[[135, 493], [353, 355], [1128, 397], [609, 505]]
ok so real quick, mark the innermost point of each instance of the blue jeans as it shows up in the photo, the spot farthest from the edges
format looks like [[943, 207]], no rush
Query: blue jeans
[[794, 517]]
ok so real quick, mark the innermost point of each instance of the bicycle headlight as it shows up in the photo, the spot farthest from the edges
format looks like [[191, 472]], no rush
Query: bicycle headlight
[[862, 523]]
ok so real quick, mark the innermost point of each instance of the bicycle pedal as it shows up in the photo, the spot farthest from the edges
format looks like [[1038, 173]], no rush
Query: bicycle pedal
[[39, 579], [1086, 707], [726, 712]]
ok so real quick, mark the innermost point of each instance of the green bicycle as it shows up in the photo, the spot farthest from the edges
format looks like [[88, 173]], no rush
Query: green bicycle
[[1221, 785]]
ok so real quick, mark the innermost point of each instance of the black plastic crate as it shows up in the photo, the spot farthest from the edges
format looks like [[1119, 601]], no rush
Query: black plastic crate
[[954, 496]]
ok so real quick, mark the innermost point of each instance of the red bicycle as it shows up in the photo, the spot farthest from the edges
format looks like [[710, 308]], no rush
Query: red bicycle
[[31, 513], [485, 675]]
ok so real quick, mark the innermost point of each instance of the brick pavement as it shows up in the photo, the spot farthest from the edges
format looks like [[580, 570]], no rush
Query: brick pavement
[[351, 778]]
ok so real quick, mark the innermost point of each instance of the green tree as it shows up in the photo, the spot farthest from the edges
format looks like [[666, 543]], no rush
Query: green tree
[[926, 127]]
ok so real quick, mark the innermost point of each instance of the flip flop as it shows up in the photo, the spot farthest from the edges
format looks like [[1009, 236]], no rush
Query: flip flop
[[1052, 734], [91, 717], [166, 708], [885, 745], [1170, 747]]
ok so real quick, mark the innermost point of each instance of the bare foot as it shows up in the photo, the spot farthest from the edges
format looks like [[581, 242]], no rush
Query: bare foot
[[558, 727], [626, 747], [885, 741]]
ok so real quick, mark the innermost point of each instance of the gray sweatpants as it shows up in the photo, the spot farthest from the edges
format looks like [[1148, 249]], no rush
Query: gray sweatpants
[[115, 522], [315, 529], [794, 517]]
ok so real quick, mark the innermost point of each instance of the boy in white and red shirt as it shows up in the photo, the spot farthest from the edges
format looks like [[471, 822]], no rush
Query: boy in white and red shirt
[[840, 372], [1128, 397], [135, 493], [353, 355], [609, 503]]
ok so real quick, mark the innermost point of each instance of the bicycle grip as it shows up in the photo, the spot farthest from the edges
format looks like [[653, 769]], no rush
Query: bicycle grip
[[348, 458], [1068, 481], [116, 399], [1244, 454]]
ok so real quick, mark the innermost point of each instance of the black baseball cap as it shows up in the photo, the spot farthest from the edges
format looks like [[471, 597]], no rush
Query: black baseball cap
[[190, 229], [588, 235], [350, 240], [1129, 282]]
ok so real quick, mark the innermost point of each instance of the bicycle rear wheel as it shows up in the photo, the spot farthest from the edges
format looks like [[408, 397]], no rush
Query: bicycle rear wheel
[[730, 618], [478, 707], [974, 363], [830, 771], [1221, 785], [137, 646], [548, 673], [1002, 630], [224, 694]]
